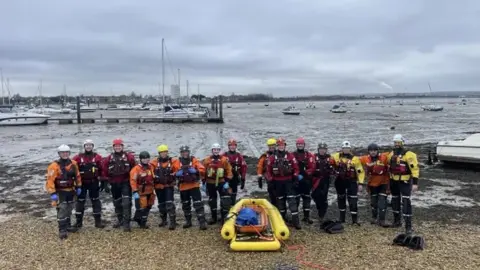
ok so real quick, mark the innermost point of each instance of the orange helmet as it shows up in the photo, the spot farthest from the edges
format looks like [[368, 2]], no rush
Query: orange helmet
[[281, 141], [232, 142]]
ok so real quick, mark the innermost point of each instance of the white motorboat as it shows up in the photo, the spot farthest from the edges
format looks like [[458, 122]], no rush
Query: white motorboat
[[310, 105], [49, 111], [9, 117], [291, 110], [432, 108], [466, 151], [180, 113], [338, 109]]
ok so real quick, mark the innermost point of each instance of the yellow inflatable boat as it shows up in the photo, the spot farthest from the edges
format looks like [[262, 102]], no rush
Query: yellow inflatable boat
[[263, 237]]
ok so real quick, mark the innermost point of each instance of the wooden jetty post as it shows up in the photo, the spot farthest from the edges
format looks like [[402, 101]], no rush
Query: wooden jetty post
[[79, 117], [220, 104]]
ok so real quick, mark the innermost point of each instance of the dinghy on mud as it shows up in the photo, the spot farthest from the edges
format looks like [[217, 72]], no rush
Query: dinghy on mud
[[466, 151], [263, 234]]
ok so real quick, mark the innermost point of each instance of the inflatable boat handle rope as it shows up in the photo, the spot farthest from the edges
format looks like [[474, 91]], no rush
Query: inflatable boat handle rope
[[300, 254]]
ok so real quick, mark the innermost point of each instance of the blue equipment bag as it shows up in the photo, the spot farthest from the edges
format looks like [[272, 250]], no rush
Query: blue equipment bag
[[246, 216]]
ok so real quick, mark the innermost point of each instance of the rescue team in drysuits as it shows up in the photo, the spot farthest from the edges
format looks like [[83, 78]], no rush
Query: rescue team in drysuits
[[290, 177]]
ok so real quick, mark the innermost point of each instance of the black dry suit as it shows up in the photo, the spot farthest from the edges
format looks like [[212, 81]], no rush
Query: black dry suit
[[164, 188], [305, 186], [347, 187], [401, 192]]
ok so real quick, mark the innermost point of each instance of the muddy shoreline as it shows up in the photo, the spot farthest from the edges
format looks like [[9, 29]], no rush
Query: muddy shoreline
[[21, 190]]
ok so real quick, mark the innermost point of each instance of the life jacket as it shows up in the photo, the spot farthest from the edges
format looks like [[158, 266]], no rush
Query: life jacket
[[88, 166], [398, 166], [282, 166], [187, 177], [164, 175], [302, 159], [213, 167], [234, 160], [67, 177], [346, 170], [323, 168], [118, 165], [145, 177], [376, 167], [266, 155]]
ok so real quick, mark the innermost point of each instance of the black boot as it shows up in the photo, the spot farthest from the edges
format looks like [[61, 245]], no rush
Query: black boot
[[98, 222], [63, 235], [143, 224], [188, 222], [374, 217], [296, 222], [164, 221], [70, 228], [306, 217], [119, 222], [203, 224], [397, 222], [342, 216], [79, 223], [355, 220], [408, 225], [214, 219], [126, 226], [173, 223]]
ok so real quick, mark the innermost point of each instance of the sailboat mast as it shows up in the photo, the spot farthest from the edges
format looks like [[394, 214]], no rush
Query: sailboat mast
[[198, 94], [163, 74], [40, 93], [187, 90], [179, 92]]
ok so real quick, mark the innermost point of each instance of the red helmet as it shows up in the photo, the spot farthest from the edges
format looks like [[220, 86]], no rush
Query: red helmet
[[281, 141], [118, 141], [232, 142], [300, 141]]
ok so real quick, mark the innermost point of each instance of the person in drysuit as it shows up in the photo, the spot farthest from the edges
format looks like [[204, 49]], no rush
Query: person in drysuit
[[305, 164], [143, 188], [116, 168], [404, 174], [239, 168], [282, 169], [322, 172], [218, 174], [164, 186], [376, 169], [63, 183], [187, 169], [90, 165], [349, 181], [262, 170]]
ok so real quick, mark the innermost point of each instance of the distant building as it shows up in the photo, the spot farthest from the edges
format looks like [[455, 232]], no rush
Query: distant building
[[174, 91]]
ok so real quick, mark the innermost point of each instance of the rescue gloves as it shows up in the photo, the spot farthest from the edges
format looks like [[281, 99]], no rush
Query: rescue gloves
[[414, 242], [332, 227]]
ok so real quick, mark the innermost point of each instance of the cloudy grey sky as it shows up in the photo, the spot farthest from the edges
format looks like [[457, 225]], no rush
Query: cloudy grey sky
[[283, 47]]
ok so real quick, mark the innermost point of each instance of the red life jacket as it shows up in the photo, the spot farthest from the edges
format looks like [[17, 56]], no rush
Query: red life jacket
[[118, 165], [323, 168], [234, 160], [187, 177], [67, 177], [346, 170], [376, 167], [164, 175], [282, 166], [302, 159], [398, 166], [88, 167]]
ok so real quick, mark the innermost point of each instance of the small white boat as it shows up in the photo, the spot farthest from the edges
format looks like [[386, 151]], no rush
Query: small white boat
[[49, 111], [291, 110], [338, 109], [432, 108], [310, 105], [466, 151], [9, 117]]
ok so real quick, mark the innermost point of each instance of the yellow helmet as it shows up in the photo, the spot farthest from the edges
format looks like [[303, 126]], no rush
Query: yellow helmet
[[271, 141], [162, 148]]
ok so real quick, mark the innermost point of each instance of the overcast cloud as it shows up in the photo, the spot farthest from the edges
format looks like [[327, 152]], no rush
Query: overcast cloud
[[282, 47]]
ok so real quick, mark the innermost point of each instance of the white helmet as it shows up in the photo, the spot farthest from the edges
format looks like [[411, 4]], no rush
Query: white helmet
[[63, 148], [216, 146], [398, 138], [346, 144], [88, 141]]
